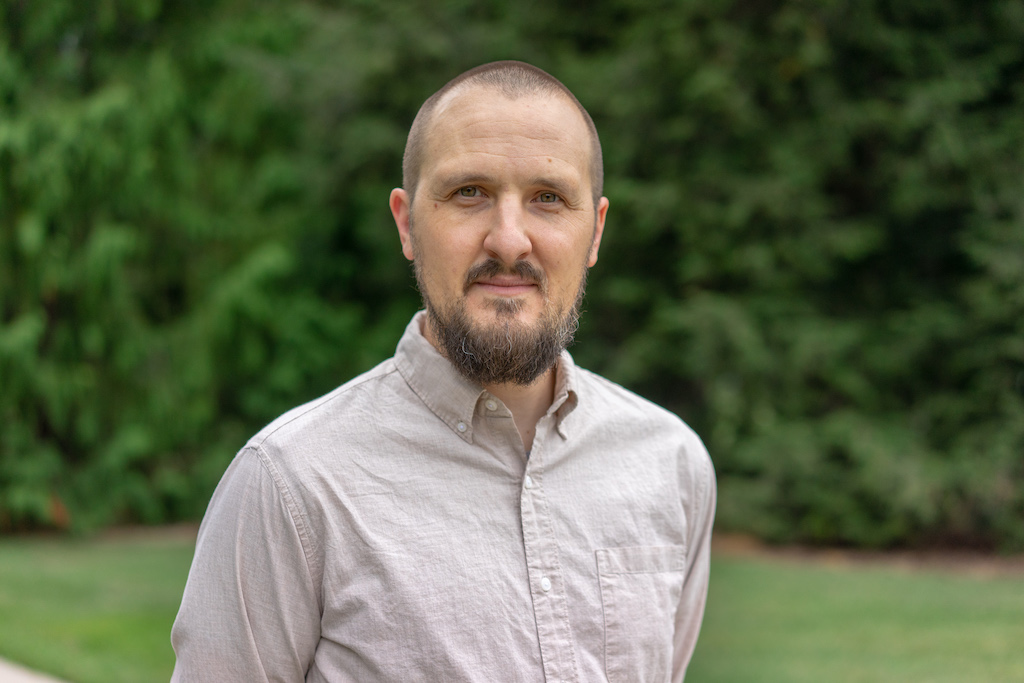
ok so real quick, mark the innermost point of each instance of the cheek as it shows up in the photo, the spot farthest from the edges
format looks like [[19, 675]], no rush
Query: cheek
[[567, 254], [444, 266], [566, 272]]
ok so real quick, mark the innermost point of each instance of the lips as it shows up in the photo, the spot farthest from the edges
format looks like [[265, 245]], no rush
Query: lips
[[493, 277], [506, 286]]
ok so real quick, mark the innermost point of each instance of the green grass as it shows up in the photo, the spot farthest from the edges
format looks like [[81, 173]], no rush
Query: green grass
[[101, 611], [95, 611], [785, 622]]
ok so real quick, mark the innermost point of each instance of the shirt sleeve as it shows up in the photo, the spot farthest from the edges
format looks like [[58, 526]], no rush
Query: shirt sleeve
[[701, 516], [250, 611]]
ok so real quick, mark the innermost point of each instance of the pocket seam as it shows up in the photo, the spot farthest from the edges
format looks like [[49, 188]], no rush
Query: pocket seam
[[631, 559], [613, 564]]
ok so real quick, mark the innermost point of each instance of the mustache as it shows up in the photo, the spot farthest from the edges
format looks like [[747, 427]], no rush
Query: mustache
[[491, 267]]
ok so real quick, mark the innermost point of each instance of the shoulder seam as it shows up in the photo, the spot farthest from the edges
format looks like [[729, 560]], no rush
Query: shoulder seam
[[323, 400], [297, 519]]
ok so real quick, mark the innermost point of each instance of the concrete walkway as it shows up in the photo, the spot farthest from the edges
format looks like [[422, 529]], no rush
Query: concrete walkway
[[12, 673]]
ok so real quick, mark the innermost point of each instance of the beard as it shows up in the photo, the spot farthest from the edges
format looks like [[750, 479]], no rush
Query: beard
[[505, 351]]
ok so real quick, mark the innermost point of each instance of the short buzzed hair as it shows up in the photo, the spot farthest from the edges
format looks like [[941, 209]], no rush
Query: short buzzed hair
[[514, 80]]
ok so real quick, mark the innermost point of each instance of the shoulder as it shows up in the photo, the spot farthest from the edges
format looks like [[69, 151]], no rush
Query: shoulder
[[614, 402], [640, 424], [321, 426]]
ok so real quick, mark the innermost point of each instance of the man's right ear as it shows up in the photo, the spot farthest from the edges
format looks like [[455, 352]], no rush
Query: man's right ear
[[402, 212]]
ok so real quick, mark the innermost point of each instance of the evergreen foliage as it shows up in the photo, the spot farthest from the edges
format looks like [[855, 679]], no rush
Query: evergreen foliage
[[815, 249]]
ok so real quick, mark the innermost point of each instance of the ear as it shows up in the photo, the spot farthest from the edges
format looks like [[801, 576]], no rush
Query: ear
[[401, 209], [602, 211]]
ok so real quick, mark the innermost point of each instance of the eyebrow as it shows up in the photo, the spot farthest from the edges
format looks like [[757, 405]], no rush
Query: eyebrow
[[461, 180], [562, 187]]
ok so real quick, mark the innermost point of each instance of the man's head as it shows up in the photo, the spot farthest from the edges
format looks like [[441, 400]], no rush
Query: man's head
[[514, 80], [501, 216]]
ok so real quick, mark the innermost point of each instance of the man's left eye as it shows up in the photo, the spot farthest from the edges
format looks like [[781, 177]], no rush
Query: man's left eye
[[547, 197]]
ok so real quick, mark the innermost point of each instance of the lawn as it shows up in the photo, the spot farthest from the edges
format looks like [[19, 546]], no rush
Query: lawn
[[791, 621], [100, 611], [97, 611]]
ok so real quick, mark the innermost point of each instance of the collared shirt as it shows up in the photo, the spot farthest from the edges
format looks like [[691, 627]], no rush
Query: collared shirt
[[396, 530]]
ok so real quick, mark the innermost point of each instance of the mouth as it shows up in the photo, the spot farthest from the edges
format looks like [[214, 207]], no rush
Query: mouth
[[505, 286], [491, 277]]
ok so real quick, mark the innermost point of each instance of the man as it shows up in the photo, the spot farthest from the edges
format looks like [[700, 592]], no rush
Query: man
[[476, 508]]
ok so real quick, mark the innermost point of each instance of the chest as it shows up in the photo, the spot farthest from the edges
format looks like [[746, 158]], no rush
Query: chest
[[497, 565]]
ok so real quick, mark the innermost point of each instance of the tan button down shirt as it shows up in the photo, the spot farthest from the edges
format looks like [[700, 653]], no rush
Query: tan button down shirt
[[396, 530]]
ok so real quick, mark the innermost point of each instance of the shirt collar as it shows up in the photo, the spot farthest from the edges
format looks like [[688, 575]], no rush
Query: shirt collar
[[452, 397], [566, 395]]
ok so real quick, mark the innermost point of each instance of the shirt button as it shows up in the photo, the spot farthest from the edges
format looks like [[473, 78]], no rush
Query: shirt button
[[461, 426], [545, 584], [491, 404], [528, 483]]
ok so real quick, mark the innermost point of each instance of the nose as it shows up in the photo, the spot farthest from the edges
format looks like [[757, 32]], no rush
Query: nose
[[507, 239]]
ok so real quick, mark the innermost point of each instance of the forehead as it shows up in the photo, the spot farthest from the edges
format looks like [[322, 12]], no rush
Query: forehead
[[480, 126]]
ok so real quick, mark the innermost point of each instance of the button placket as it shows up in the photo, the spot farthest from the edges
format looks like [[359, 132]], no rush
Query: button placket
[[546, 585]]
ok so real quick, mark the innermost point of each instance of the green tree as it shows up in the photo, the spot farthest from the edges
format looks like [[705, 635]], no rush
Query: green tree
[[815, 250]]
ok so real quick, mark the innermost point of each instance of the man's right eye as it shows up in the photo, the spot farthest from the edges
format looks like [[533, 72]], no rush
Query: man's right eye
[[469, 191]]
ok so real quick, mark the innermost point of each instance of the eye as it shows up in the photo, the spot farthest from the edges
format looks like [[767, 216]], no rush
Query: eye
[[547, 197], [469, 191]]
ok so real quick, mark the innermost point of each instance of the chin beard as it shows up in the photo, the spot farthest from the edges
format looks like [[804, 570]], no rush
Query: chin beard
[[505, 351]]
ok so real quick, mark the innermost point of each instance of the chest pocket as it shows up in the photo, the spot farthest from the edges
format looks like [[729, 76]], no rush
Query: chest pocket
[[640, 590]]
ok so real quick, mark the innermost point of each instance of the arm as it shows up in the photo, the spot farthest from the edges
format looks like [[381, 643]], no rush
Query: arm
[[700, 517], [251, 609]]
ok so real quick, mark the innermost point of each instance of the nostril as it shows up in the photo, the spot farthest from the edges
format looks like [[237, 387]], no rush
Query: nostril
[[508, 241]]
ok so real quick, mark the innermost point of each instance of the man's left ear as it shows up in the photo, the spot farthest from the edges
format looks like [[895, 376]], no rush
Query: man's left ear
[[401, 211], [602, 211]]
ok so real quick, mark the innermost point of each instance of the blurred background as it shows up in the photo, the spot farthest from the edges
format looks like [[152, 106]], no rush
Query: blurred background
[[814, 255]]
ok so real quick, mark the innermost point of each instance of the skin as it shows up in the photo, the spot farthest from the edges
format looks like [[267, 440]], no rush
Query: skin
[[507, 180]]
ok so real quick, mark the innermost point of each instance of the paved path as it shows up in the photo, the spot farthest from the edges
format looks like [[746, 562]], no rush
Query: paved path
[[12, 673]]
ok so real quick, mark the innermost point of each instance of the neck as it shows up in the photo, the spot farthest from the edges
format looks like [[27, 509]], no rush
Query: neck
[[528, 404]]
